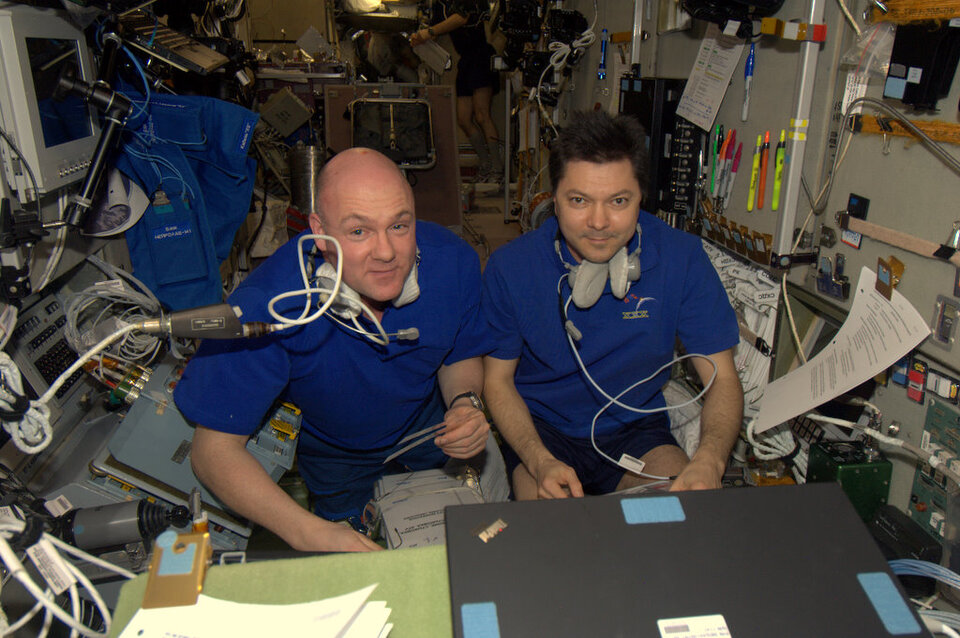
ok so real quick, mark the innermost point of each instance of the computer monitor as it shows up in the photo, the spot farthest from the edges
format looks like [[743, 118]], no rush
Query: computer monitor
[[57, 138]]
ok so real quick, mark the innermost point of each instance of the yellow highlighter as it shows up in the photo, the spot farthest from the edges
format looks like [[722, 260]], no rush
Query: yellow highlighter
[[754, 172], [778, 169]]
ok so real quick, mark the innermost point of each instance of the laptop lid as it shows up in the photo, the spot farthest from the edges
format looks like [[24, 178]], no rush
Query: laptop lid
[[748, 563]]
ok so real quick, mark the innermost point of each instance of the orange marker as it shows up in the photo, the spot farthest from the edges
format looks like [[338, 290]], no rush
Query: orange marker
[[764, 154]]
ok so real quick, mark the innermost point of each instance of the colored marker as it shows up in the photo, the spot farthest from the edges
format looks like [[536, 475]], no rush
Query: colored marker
[[764, 155], [721, 163], [727, 163], [714, 149], [747, 81], [778, 169], [754, 173], [733, 172]]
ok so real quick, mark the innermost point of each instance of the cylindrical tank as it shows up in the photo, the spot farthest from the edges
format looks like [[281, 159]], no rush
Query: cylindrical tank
[[305, 162]]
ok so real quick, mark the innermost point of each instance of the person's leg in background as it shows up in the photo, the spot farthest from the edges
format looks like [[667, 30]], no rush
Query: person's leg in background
[[480, 103], [475, 134]]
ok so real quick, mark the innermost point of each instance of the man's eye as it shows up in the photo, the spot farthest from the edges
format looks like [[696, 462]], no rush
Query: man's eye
[[576, 200], [619, 201], [356, 232]]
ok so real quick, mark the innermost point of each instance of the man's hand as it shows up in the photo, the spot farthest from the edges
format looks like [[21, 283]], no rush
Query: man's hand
[[556, 479], [697, 475], [325, 536], [465, 434]]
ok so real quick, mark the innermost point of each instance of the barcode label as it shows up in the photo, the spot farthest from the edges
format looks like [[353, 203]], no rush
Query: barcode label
[[59, 506]]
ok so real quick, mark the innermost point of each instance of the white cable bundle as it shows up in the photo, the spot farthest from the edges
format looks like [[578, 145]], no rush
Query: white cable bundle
[[560, 51], [44, 597], [124, 300], [31, 433]]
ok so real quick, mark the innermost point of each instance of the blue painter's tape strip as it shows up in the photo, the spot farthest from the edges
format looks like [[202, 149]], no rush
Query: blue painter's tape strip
[[888, 603], [479, 620], [652, 509]]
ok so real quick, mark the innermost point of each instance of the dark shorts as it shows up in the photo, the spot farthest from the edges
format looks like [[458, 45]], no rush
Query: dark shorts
[[341, 481], [473, 72], [597, 474]]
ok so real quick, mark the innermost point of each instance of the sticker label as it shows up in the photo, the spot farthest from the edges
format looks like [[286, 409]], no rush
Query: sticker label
[[51, 566], [58, 506], [713, 626]]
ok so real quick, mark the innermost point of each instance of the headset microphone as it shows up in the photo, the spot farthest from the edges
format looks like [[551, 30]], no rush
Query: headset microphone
[[407, 334]]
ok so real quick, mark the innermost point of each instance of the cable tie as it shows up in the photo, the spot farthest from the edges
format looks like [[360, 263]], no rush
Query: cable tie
[[21, 405], [28, 537]]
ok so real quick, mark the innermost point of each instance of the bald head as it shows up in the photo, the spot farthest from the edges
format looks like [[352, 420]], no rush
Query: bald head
[[355, 170], [365, 203]]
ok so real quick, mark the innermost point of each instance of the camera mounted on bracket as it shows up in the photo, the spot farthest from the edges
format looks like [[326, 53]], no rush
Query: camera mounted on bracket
[[721, 11]]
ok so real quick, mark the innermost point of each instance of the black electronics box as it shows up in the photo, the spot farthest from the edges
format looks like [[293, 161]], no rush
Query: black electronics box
[[899, 536]]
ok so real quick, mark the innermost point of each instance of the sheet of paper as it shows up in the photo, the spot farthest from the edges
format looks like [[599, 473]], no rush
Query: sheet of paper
[[213, 618], [717, 59], [875, 335]]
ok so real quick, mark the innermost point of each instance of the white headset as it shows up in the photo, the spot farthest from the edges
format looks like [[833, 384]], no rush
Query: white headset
[[588, 279], [337, 297], [348, 306]]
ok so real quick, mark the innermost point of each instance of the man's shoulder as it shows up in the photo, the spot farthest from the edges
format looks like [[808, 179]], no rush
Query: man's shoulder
[[528, 246], [433, 234]]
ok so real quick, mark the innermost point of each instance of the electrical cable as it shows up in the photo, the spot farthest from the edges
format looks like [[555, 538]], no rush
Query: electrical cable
[[950, 619], [558, 58], [45, 598], [26, 167], [57, 254], [849, 17], [614, 400], [123, 304], [31, 432], [381, 337]]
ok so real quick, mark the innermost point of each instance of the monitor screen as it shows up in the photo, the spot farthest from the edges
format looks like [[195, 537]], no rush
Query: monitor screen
[[62, 120]]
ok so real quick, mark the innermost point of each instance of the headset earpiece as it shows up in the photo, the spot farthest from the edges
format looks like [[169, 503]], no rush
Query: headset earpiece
[[588, 279], [411, 287], [347, 304]]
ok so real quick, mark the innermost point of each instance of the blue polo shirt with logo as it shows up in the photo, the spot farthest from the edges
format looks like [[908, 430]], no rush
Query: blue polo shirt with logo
[[678, 296]]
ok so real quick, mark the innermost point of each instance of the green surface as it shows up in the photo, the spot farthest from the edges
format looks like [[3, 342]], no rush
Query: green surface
[[413, 582]]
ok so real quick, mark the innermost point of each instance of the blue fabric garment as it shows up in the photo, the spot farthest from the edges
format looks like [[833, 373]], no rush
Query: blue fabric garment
[[354, 394], [194, 150], [678, 295]]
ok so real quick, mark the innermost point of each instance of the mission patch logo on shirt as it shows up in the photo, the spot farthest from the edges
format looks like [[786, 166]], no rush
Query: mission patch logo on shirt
[[637, 302]]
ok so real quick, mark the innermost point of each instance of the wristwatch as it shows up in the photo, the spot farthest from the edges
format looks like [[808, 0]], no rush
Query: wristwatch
[[475, 400], [433, 34]]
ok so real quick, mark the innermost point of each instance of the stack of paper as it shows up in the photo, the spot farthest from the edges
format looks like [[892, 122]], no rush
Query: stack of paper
[[347, 616]]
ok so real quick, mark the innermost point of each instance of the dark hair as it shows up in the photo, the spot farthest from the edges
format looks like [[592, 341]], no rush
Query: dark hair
[[597, 136]]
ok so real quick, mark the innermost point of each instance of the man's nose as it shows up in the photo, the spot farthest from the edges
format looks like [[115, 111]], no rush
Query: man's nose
[[597, 218], [384, 249]]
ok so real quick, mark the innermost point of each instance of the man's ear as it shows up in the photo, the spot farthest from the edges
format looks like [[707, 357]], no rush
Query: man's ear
[[316, 227]]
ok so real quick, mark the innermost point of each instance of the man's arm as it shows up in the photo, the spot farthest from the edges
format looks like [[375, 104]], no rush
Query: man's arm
[[465, 435], [554, 478], [223, 464], [720, 423]]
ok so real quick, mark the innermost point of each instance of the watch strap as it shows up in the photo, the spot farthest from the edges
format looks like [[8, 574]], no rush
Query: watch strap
[[475, 400]]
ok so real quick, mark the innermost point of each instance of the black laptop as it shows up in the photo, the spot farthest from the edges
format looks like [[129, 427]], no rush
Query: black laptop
[[746, 563]]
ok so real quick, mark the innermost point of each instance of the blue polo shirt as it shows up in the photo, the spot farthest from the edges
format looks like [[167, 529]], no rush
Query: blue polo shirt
[[354, 394], [678, 296]]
